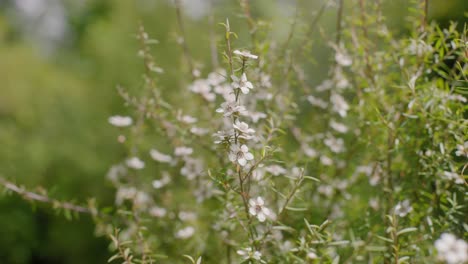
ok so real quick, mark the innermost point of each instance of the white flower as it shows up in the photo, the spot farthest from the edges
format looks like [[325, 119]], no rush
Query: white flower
[[339, 104], [343, 59], [311, 255], [223, 136], [317, 102], [243, 128], [248, 253], [339, 127], [326, 160], [265, 80], [203, 88], [157, 184], [157, 211], [246, 54], [161, 157], [185, 232], [462, 150], [308, 151], [187, 119], [403, 208], [453, 176], [216, 78], [192, 168], [229, 108], [241, 83], [187, 216], [183, 151], [240, 154], [276, 170], [255, 116], [452, 250], [116, 172], [335, 144], [257, 208], [135, 163], [199, 131], [120, 121]]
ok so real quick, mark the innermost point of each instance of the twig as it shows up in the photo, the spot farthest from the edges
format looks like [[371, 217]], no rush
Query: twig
[[31, 196], [185, 47]]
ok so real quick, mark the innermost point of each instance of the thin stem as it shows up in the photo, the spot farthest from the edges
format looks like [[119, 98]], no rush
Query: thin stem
[[185, 47], [213, 49], [426, 13], [338, 22], [31, 196]]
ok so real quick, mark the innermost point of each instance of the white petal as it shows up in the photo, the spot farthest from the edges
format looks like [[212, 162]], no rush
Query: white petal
[[252, 211], [248, 156], [261, 217], [260, 201], [242, 161], [244, 148], [232, 157]]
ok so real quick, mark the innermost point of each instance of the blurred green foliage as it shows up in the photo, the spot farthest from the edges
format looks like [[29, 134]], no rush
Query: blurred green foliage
[[54, 105]]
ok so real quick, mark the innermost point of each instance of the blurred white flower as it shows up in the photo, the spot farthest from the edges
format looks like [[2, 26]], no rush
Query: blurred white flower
[[246, 54], [326, 161], [462, 150], [308, 151], [339, 127], [217, 77], [199, 131], [157, 211], [203, 88], [453, 176], [311, 255], [183, 151], [240, 154], [192, 168], [452, 250], [244, 130], [403, 208], [187, 216], [276, 170], [120, 121], [187, 119], [223, 136], [161, 157], [241, 83], [255, 116], [185, 233], [257, 208], [339, 104], [335, 144], [248, 253], [343, 59], [265, 80], [230, 108], [317, 102], [157, 184], [115, 172], [135, 163]]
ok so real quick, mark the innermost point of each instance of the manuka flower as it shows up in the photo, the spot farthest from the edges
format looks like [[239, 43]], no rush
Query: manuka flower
[[462, 150], [240, 154], [452, 250], [120, 121], [244, 130], [248, 253], [257, 208], [246, 54], [241, 83], [135, 163]]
